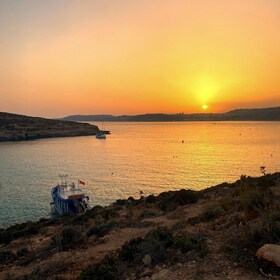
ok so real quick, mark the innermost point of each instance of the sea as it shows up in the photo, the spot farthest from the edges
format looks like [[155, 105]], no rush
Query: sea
[[136, 157]]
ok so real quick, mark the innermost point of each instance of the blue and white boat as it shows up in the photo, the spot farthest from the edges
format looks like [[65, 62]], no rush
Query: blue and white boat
[[67, 198]]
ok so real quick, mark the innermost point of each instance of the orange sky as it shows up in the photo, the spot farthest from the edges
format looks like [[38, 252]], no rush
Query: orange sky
[[61, 57]]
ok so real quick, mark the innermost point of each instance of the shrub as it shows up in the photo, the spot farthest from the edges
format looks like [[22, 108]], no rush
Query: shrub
[[169, 201], [183, 197], [7, 257], [106, 270], [91, 214], [102, 229], [20, 230], [254, 194], [109, 213], [148, 213], [23, 252], [154, 245], [121, 202], [130, 250], [186, 244], [213, 212], [69, 237], [150, 199], [161, 234]]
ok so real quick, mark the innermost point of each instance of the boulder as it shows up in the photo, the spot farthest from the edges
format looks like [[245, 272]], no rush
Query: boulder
[[270, 252]]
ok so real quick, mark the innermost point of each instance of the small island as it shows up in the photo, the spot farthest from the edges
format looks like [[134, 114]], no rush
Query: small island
[[21, 128], [229, 231]]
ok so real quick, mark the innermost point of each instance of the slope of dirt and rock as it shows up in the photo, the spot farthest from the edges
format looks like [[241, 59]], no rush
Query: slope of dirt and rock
[[208, 234]]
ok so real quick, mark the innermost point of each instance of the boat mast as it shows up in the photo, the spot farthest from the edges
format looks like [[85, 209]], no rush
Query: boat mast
[[63, 179]]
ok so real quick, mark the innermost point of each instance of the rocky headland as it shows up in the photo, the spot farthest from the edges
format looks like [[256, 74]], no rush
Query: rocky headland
[[210, 234], [19, 128]]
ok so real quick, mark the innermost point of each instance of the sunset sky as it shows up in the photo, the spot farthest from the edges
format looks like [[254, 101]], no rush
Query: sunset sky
[[62, 57]]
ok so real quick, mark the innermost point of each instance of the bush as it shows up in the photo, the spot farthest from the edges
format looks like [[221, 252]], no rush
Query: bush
[[213, 212], [102, 229], [109, 213], [91, 214], [169, 201], [121, 202], [153, 244], [20, 230], [23, 252], [184, 197], [148, 213], [161, 234], [69, 237], [130, 250], [158, 244], [106, 270], [150, 199], [254, 194], [7, 257], [187, 244]]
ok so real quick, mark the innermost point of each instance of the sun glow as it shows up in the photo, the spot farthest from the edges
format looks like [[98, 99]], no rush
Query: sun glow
[[91, 57]]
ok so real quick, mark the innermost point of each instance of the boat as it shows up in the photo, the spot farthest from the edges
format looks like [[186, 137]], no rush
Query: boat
[[68, 199], [101, 135]]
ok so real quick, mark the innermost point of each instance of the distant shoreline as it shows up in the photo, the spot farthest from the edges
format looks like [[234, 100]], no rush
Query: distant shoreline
[[260, 114]]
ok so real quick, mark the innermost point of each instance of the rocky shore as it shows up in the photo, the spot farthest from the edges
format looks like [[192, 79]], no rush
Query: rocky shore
[[210, 234], [21, 128]]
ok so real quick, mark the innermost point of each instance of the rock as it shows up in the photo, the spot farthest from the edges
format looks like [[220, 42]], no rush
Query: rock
[[146, 273], [163, 274], [179, 265], [147, 260], [270, 252]]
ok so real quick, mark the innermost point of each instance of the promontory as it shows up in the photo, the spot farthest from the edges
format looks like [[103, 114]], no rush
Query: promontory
[[15, 127]]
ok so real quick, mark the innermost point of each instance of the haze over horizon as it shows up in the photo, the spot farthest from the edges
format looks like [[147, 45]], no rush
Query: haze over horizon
[[66, 57]]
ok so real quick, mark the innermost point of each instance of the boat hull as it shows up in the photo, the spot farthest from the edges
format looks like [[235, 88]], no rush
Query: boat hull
[[68, 206], [100, 135]]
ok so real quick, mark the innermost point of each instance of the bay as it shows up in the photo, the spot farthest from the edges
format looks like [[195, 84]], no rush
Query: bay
[[148, 157]]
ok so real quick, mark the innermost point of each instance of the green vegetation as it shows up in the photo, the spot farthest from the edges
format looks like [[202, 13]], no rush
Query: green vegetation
[[157, 246], [69, 237], [99, 230]]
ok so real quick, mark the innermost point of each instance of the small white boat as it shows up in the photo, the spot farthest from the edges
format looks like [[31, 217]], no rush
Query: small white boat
[[67, 198], [100, 135]]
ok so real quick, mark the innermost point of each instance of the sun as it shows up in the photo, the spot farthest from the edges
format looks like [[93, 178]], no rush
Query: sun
[[204, 107]]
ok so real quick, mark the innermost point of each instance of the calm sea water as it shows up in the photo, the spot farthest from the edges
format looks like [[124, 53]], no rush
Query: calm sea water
[[136, 156]]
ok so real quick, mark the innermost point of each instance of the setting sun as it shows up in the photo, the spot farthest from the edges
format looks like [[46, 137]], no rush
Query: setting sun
[[65, 57]]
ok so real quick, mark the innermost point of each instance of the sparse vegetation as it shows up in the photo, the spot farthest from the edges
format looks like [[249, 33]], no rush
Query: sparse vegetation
[[230, 220], [99, 230], [158, 244], [69, 237], [212, 212]]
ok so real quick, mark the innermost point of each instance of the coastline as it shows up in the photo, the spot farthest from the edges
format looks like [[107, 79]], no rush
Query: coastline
[[24, 128], [192, 231]]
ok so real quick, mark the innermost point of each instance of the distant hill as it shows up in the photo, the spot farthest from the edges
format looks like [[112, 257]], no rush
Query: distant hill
[[18, 127], [260, 114]]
